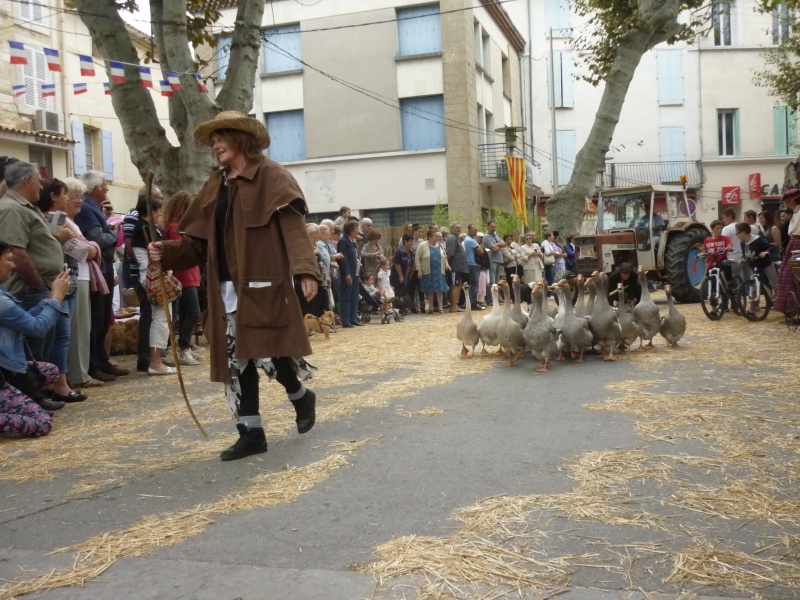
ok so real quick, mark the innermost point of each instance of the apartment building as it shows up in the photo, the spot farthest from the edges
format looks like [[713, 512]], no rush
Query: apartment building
[[692, 109], [66, 133], [382, 106]]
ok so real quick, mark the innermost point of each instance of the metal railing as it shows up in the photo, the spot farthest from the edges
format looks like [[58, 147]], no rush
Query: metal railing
[[651, 173], [493, 160]]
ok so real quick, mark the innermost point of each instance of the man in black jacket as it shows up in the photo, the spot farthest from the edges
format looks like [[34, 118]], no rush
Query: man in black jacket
[[626, 275]]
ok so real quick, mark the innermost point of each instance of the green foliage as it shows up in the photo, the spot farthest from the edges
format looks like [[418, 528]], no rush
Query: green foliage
[[507, 222], [442, 217], [781, 77]]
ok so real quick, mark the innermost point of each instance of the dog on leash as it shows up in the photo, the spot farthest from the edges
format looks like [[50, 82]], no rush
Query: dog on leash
[[322, 324]]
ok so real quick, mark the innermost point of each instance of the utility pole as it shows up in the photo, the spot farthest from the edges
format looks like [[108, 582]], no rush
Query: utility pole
[[553, 114]]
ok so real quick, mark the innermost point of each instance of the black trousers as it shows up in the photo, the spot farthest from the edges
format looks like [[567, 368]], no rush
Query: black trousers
[[248, 382], [145, 320], [101, 307]]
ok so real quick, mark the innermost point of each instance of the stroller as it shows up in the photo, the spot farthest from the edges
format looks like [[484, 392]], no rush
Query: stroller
[[368, 305]]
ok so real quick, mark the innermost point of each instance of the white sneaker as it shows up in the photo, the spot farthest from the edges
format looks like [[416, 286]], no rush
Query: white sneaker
[[196, 348], [187, 358]]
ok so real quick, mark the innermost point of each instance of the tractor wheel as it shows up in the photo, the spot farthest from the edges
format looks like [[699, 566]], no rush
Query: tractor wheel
[[682, 267]]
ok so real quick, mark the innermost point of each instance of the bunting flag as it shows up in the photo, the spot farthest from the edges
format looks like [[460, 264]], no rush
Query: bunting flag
[[87, 65], [79, 88], [516, 177], [48, 89], [107, 88], [53, 59], [200, 83], [19, 90], [174, 82], [146, 77], [18, 53], [166, 89], [117, 71]]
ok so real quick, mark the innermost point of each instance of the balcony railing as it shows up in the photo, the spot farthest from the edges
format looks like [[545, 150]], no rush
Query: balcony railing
[[651, 173], [493, 160]]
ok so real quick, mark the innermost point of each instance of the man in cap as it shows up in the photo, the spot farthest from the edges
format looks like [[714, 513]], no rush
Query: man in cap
[[108, 209], [626, 275], [473, 250]]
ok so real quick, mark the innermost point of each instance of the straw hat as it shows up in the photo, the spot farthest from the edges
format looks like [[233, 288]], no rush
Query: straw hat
[[232, 119]]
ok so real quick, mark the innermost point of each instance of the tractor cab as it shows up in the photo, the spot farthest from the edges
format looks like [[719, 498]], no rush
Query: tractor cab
[[647, 226]]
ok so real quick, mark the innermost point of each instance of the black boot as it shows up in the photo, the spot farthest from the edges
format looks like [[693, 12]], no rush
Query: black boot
[[306, 413], [251, 441], [46, 404]]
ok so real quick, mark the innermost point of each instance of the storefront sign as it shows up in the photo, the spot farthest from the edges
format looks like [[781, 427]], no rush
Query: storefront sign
[[731, 195], [754, 182], [49, 142]]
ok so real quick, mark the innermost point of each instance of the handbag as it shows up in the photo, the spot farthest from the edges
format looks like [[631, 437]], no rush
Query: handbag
[[549, 260], [152, 282], [31, 382]]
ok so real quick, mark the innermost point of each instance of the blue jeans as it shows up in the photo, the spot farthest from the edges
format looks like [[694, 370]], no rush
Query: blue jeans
[[349, 301], [474, 281], [59, 351], [39, 346]]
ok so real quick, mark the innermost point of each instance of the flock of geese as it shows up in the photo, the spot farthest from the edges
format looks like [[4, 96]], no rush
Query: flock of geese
[[551, 332]]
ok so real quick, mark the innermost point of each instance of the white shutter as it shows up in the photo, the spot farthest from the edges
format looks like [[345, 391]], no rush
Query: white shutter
[[670, 77]]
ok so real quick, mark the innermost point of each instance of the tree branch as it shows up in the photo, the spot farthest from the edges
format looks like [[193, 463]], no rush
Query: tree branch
[[237, 91]]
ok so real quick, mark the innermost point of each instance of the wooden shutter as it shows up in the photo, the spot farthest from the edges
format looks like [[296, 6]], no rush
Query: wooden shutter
[[79, 150], [108, 154]]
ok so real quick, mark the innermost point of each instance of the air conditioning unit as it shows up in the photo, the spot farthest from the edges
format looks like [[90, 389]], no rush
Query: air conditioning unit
[[49, 122]]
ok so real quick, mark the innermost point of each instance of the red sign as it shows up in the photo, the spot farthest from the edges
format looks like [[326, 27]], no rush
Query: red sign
[[754, 182], [731, 195]]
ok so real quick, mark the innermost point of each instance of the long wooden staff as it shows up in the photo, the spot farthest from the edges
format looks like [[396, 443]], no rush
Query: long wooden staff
[[148, 182]]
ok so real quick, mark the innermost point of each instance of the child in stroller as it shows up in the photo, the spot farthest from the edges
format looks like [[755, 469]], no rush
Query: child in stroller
[[378, 299]]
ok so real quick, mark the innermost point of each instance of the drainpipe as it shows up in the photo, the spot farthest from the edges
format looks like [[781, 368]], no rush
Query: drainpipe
[[553, 114]]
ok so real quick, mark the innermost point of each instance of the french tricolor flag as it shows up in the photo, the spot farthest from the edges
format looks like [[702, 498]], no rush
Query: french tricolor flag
[[166, 89], [174, 82], [18, 53], [19, 90], [117, 71], [87, 65], [79, 88], [53, 59], [106, 88], [146, 77], [200, 83], [48, 89]]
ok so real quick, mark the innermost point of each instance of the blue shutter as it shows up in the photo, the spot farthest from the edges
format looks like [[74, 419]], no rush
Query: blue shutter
[[670, 77], [419, 30], [779, 129], [556, 16], [564, 91], [423, 122], [79, 150], [672, 148], [282, 49], [108, 154], [791, 129], [223, 56], [288, 135], [565, 140]]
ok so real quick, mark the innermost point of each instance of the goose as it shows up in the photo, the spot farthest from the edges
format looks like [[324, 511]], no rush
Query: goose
[[575, 332], [580, 305], [512, 340], [592, 294], [673, 326], [540, 334], [466, 329], [561, 312], [646, 314], [629, 328], [550, 311], [517, 313], [487, 330], [605, 321]]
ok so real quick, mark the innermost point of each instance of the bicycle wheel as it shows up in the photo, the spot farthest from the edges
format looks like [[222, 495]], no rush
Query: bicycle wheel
[[754, 301], [712, 305], [792, 314]]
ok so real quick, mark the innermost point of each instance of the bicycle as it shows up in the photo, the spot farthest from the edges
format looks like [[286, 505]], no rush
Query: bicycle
[[755, 295], [718, 290]]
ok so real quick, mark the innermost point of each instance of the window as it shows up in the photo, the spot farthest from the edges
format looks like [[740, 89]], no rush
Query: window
[[672, 146], [670, 77], [422, 121], [88, 147], [721, 19], [785, 130], [35, 74], [32, 11], [562, 71], [396, 217], [223, 56], [288, 134], [728, 131], [506, 66], [565, 140], [556, 17], [489, 125], [487, 54], [43, 157], [419, 30], [282, 49], [782, 18]]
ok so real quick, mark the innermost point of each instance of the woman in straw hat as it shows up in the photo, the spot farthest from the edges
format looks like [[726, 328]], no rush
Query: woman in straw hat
[[781, 301], [247, 225]]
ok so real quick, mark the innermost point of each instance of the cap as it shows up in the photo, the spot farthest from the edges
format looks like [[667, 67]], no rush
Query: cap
[[107, 205], [479, 234], [792, 194], [626, 268]]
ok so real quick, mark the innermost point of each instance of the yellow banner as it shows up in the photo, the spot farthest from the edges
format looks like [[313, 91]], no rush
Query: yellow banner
[[516, 177]]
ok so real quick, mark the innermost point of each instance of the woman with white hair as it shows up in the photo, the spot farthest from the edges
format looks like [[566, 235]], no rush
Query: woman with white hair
[[80, 327]]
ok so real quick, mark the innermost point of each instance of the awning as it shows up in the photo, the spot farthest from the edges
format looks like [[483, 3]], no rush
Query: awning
[[36, 138]]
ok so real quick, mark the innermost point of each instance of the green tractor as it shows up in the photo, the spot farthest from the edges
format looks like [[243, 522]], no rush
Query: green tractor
[[631, 228]]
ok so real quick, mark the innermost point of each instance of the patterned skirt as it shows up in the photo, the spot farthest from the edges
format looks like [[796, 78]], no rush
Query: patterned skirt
[[233, 391], [781, 302]]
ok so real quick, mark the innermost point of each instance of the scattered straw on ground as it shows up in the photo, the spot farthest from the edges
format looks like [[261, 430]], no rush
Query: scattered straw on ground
[[425, 412]]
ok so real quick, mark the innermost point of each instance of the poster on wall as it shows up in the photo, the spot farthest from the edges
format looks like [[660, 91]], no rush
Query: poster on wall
[[321, 187], [731, 195], [754, 182]]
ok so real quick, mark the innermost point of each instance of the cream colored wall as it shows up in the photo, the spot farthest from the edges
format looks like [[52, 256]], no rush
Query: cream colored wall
[[420, 77], [735, 173], [281, 93]]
